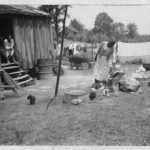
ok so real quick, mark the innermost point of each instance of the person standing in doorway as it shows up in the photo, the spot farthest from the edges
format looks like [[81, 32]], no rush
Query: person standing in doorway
[[9, 47]]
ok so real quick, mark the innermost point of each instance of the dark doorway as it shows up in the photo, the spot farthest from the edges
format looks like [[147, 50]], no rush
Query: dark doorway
[[5, 30]]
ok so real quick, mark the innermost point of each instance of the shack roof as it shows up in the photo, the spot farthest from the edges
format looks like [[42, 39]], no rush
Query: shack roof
[[21, 10]]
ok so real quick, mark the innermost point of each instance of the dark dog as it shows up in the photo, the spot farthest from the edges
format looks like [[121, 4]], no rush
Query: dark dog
[[32, 99], [92, 95]]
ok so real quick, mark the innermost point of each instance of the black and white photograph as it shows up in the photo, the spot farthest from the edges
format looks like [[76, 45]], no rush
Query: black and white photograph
[[75, 74]]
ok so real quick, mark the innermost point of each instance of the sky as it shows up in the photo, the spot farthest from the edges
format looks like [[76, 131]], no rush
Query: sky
[[86, 14]]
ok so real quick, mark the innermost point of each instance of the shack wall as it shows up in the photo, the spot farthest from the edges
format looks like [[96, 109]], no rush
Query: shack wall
[[33, 39]]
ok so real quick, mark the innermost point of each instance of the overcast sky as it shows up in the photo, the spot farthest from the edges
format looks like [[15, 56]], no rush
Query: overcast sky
[[86, 14], [139, 15]]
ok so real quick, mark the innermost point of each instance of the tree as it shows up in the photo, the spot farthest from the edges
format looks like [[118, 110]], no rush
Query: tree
[[89, 36], [81, 35], [76, 24], [132, 30], [118, 30], [103, 24], [56, 12]]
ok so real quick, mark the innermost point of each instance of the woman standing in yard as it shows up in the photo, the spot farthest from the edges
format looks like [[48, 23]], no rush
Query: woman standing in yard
[[105, 60]]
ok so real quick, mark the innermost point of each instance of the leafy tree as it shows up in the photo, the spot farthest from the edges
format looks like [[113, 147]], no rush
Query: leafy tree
[[57, 13], [89, 36], [92, 37], [81, 35], [118, 30], [103, 24], [132, 30], [76, 24]]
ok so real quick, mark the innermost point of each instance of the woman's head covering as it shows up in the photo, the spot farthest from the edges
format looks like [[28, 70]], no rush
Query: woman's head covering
[[104, 46], [111, 44]]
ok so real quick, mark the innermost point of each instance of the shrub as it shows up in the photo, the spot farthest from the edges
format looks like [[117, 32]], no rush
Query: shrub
[[136, 61]]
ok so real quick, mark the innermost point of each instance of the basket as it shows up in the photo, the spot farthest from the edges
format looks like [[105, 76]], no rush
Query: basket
[[74, 94]]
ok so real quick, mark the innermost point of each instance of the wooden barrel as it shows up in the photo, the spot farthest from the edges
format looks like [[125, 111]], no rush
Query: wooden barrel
[[45, 69]]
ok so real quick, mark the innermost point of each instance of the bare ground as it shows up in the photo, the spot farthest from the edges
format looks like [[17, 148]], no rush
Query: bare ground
[[123, 120]]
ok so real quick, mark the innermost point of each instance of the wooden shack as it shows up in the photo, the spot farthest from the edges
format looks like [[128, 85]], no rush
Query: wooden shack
[[31, 30]]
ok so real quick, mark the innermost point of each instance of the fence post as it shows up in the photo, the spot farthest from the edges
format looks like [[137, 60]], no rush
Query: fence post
[[92, 51]]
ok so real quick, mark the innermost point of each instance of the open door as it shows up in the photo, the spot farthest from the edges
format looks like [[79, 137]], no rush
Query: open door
[[5, 30]]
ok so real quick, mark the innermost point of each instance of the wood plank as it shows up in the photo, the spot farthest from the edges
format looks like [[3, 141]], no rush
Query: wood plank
[[28, 44], [51, 38], [17, 38], [23, 37], [7, 64], [7, 86], [11, 67], [16, 72], [40, 37], [32, 42], [23, 82], [11, 84], [21, 77], [10, 81], [36, 37]]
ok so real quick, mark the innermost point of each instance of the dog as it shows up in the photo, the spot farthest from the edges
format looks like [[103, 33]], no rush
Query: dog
[[32, 99]]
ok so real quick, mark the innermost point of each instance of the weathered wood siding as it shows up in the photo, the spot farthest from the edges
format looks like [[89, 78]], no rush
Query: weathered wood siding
[[33, 38]]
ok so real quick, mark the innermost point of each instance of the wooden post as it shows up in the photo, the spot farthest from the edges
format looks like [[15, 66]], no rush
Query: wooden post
[[60, 58], [0, 70], [92, 51]]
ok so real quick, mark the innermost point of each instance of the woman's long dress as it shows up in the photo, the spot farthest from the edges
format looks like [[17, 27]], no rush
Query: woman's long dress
[[102, 65], [101, 70]]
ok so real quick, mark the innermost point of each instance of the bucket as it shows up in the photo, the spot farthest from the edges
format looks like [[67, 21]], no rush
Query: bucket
[[91, 65], [44, 69]]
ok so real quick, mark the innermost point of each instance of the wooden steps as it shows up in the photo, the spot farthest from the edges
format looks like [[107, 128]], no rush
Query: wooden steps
[[9, 84], [25, 82], [18, 75]]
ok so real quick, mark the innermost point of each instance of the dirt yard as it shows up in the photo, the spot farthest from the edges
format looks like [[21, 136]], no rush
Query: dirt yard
[[122, 120]]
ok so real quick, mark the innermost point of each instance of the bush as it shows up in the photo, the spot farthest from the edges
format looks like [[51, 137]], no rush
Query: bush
[[136, 61]]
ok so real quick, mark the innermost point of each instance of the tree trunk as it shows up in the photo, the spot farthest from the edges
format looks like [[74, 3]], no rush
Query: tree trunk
[[60, 58]]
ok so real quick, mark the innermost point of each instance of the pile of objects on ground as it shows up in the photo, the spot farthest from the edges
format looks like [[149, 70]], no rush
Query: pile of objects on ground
[[120, 81], [141, 73]]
